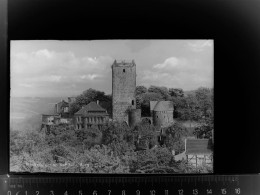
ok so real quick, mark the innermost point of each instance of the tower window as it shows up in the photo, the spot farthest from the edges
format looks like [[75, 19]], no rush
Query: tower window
[[123, 70], [133, 102]]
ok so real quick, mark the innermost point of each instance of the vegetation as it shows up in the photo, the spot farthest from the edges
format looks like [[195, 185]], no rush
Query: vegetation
[[116, 148], [89, 96]]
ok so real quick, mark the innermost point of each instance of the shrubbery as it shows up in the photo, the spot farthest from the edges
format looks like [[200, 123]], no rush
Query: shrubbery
[[114, 149]]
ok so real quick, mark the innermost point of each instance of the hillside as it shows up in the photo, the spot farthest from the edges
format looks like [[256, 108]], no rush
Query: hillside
[[25, 112]]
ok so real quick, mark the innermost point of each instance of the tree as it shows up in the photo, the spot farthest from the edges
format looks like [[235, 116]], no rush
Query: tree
[[174, 137], [204, 97], [140, 90], [145, 135], [91, 95], [176, 92], [156, 160], [114, 132], [145, 101], [190, 108], [90, 136], [204, 130], [163, 91]]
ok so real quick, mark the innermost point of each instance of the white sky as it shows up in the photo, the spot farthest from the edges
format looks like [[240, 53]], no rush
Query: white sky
[[50, 68]]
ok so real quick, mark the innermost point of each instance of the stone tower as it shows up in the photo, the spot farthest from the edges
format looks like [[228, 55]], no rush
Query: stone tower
[[123, 89]]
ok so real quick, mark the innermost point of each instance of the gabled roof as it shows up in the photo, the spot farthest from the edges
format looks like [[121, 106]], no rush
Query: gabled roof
[[198, 146], [92, 106], [164, 106]]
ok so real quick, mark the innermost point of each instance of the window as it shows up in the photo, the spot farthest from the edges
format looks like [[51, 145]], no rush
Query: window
[[66, 109], [123, 70], [133, 102]]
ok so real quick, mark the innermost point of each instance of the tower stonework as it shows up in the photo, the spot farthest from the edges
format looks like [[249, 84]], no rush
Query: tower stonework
[[123, 89]]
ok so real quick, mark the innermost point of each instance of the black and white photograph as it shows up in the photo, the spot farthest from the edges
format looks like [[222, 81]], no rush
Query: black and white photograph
[[112, 106]]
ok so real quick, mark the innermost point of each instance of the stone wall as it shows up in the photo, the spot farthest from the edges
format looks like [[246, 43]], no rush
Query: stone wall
[[123, 90], [162, 118], [134, 117]]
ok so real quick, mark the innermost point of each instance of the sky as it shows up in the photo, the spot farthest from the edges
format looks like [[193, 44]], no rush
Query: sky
[[52, 68]]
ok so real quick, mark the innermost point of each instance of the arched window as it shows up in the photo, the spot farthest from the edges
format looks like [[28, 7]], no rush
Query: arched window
[[133, 102], [123, 70]]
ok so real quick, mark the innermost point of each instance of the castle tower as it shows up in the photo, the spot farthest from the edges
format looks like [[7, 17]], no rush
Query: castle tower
[[123, 89]]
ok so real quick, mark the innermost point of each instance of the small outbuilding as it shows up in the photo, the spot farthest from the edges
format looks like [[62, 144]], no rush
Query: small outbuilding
[[199, 151]]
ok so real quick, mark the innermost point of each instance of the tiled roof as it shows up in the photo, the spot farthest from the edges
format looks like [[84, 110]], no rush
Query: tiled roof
[[92, 106], [164, 106], [50, 110], [198, 146]]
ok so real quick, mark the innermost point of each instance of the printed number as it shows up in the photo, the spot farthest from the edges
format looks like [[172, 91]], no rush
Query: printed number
[[66, 193], [223, 191], [80, 192], [37, 192], [195, 191], [137, 192], [9, 193], [51, 192], [180, 192], [109, 191], [165, 192], [209, 191], [152, 192], [25, 193], [94, 192], [123, 192], [237, 190]]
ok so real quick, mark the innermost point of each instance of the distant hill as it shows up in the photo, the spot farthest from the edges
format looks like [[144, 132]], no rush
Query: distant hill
[[25, 112]]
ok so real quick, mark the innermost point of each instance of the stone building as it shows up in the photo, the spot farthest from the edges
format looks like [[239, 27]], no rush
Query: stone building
[[56, 114], [162, 113], [123, 89], [71, 99], [62, 108], [50, 117], [91, 114]]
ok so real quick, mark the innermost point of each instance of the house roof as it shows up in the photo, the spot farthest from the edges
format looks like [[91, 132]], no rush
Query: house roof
[[198, 146], [92, 106], [164, 106], [50, 110], [63, 103], [153, 104]]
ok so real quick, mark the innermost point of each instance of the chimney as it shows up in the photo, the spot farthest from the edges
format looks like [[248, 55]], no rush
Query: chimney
[[97, 102]]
